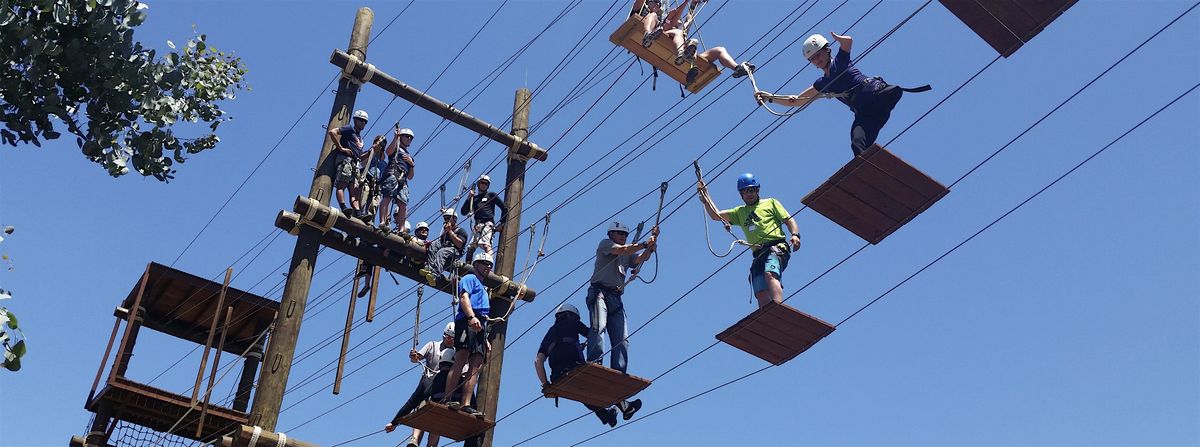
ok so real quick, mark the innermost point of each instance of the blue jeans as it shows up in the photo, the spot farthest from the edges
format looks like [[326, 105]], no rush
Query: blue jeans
[[608, 315]]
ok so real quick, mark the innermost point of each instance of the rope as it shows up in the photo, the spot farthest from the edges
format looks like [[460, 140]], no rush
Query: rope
[[703, 191], [528, 269], [662, 194]]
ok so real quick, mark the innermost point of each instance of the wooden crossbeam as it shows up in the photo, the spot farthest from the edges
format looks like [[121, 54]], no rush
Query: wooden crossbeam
[[776, 333], [875, 194], [440, 420], [597, 385]]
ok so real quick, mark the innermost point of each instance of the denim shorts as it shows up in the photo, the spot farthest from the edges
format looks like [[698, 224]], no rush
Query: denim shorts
[[394, 188]]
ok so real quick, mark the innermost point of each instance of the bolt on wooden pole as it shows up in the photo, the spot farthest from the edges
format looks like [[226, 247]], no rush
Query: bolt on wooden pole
[[506, 258], [282, 347]]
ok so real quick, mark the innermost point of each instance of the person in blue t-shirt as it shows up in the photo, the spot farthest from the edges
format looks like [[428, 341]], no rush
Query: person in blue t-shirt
[[561, 347], [870, 98], [470, 332], [348, 145]]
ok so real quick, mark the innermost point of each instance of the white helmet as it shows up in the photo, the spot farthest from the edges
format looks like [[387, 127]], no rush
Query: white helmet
[[813, 44], [422, 224], [484, 178], [617, 226], [482, 256], [449, 332], [568, 308], [448, 212], [405, 131], [361, 114]]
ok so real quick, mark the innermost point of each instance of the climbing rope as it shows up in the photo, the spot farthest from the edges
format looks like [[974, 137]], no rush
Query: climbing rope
[[662, 194], [417, 324], [725, 222], [527, 268]]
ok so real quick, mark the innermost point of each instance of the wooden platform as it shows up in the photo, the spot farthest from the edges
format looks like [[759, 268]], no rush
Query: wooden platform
[[181, 304], [441, 420], [598, 385], [661, 55], [1007, 24], [159, 410], [875, 194], [776, 333]]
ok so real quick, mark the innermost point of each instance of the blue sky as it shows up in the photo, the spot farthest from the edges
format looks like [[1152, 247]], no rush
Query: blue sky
[[1073, 321]]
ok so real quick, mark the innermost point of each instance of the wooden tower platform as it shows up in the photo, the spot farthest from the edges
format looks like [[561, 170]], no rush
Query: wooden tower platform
[[440, 420]]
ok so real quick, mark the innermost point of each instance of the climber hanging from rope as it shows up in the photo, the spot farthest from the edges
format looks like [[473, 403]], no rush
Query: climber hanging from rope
[[870, 98], [761, 220], [675, 25]]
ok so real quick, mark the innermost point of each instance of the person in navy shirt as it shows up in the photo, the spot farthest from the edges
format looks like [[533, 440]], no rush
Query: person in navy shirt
[[870, 98], [470, 334], [561, 347], [348, 145]]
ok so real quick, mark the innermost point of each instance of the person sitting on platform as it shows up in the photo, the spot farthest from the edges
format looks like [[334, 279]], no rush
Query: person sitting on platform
[[470, 332], [421, 233], [348, 144], [562, 348], [436, 359], [400, 169], [673, 27], [871, 99], [442, 252], [613, 258], [761, 220], [482, 206]]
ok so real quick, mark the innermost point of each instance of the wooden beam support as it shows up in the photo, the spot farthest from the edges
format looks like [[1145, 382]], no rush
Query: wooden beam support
[[212, 330], [407, 267], [369, 74]]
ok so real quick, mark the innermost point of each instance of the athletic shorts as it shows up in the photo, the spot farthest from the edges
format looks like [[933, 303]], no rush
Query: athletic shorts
[[773, 261], [394, 188], [473, 342], [483, 234], [346, 172]]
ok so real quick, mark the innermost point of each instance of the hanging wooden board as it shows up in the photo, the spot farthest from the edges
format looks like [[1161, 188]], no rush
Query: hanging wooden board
[[776, 333], [661, 55], [441, 420], [597, 385], [1007, 24], [875, 194]]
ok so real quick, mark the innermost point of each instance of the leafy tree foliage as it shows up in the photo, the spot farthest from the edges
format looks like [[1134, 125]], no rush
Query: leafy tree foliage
[[76, 63]]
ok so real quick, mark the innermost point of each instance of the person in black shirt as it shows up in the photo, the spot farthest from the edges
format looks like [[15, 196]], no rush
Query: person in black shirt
[[562, 348], [482, 206]]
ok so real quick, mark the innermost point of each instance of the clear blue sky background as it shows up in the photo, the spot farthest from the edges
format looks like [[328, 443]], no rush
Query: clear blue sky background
[[1074, 321]]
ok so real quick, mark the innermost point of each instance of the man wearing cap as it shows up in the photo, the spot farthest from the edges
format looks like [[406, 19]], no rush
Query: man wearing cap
[[482, 206], [761, 221], [441, 253], [436, 359], [561, 347], [470, 334], [870, 98], [348, 144], [613, 258], [400, 169]]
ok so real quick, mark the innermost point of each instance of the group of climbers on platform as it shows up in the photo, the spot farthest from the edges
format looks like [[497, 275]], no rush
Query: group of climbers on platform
[[382, 172]]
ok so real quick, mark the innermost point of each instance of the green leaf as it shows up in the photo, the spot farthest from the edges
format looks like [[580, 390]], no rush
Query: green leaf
[[12, 321]]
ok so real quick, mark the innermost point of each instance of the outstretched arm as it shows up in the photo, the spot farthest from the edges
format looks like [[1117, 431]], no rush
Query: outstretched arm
[[801, 100], [844, 42]]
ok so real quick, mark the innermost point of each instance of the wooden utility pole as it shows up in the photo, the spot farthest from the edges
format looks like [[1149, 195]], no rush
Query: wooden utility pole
[[506, 259], [282, 347]]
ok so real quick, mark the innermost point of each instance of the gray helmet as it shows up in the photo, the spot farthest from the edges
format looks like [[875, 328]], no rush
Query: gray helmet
[[449, 332], [567, 308]]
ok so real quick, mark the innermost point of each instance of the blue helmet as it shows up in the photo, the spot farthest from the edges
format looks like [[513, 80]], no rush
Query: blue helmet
[[747, 180]]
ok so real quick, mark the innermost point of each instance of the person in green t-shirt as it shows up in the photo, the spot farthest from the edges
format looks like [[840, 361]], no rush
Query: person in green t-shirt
[[761, 220]]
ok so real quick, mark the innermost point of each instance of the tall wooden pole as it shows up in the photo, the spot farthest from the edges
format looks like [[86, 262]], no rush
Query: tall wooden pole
[[506, 259], [282, 347]]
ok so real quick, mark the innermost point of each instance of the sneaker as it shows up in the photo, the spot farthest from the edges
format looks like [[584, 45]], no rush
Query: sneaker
[[648, 38], [366, 288], [430, 278], [692, 75], [609, 416], [347, 211], [743, 70], [631, 407], [412, 442], [688, 54], [472, 411]]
